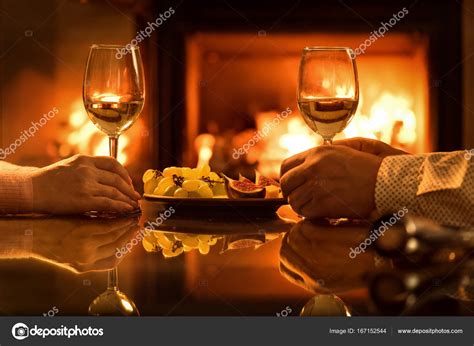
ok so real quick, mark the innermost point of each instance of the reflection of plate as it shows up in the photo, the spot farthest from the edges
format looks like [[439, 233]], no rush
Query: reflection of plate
[[200, 208]]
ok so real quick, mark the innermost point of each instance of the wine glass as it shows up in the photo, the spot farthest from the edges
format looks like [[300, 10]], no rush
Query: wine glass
[[113, 95], [114, 90], [328, 89]]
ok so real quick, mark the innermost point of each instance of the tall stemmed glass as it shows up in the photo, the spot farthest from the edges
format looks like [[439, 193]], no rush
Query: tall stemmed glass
[[328, 89], [113, 94]]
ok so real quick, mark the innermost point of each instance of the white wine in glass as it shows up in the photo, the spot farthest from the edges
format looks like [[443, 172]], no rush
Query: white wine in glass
[[328, 89]]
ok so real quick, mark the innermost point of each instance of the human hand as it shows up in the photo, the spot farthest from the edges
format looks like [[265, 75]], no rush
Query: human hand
[[331, 181], [83, 183]]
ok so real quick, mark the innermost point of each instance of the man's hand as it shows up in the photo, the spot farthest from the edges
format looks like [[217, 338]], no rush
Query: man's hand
[[332, 180], [83, 183]]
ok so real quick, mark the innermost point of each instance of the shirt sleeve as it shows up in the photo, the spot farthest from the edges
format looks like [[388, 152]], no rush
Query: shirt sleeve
[[439, 186], [16, 189]]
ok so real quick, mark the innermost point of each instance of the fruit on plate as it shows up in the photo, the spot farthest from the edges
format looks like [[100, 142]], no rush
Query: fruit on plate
[[174, 244], [202, 182], [184, 182], [243, 189]]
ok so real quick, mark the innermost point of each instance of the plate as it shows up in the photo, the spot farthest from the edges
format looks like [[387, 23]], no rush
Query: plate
[[214, 207]]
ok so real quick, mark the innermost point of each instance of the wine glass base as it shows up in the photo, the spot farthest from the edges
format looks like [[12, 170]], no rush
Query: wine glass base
[[113, 303]]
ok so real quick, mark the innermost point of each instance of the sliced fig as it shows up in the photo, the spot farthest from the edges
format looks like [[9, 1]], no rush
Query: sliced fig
[[243, 189], [242, 178], [262, 180]]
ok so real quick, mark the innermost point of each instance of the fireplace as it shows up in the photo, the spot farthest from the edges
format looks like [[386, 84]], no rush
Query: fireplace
[[227, 68]]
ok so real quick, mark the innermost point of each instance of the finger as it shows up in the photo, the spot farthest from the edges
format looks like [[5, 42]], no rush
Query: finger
[[110, 237], [301, 196], [113, 193], [112, 179], [291, 180], [108, 204], [119, 242], [293, 162], [110, 164]]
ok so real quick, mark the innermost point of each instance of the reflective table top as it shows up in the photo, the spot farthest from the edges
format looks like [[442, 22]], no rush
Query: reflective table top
[[185, 265]]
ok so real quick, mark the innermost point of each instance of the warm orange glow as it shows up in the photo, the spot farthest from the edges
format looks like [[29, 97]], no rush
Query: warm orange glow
[[88, 139], [204, 144]]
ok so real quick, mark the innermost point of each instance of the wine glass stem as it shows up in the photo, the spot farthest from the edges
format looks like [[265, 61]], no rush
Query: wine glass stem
[[113, 273], [327, 141], [113, 146]]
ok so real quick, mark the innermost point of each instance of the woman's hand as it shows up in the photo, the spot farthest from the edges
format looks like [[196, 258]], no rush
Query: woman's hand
[[83, 183]]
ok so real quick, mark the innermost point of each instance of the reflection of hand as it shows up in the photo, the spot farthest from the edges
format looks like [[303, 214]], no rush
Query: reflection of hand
[[331, 181], [83, 183], [83, 245], [316, 256]]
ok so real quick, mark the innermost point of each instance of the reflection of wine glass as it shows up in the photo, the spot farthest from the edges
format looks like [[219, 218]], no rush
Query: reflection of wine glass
[[113, 94], [328, 89]]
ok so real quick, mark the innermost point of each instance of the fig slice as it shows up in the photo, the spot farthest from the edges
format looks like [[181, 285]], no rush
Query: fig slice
[[262, 180], [243, 189]]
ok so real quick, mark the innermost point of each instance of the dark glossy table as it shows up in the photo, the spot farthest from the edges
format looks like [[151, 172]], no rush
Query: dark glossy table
[[258, 266]]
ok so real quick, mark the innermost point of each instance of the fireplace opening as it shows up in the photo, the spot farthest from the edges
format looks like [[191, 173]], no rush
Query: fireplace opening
[[241, 111]]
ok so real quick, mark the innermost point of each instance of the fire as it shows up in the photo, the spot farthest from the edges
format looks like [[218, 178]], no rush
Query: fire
[[87, 139], [390, 119]]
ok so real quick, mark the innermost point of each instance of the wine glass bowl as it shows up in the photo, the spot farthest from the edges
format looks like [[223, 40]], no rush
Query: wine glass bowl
[[114, 90], [328, 89]]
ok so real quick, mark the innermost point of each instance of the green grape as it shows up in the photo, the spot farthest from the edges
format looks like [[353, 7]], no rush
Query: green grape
[[205, 191], [214, 176], [151, 185], [187, 173], [149, 174], [170, 190], [187, 248], [219, 189], [168, 172], [213, 241], [180, 236], [149, 244], [191, 185], [181, 193], [204, 238], [204, 248], [163, 185], [190, 241], [194, 194], [168, 253], [163, 240], [204, 171]]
